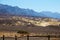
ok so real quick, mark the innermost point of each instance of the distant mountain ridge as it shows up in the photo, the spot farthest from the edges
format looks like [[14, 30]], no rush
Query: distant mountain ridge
[[9, 10], [51, 14]]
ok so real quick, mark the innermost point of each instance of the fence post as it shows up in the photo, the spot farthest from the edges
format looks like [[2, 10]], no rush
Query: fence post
[[48, 37], [27, 37], [3, 37], [15, 37]]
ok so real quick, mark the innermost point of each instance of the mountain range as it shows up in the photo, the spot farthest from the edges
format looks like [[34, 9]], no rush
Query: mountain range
[[10, 10]]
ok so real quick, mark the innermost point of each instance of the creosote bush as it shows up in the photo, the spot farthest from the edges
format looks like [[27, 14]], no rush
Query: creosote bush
[[22, 32]]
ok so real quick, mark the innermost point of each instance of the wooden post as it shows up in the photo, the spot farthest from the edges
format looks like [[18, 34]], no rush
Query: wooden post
[[48, 37], [27, 37], [15, 37], [3, 37]]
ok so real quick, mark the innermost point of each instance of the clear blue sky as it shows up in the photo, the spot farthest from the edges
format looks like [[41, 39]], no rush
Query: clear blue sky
[[37, 5]]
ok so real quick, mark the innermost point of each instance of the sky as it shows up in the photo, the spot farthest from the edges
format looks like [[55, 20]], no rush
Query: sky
[[36, 5]]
